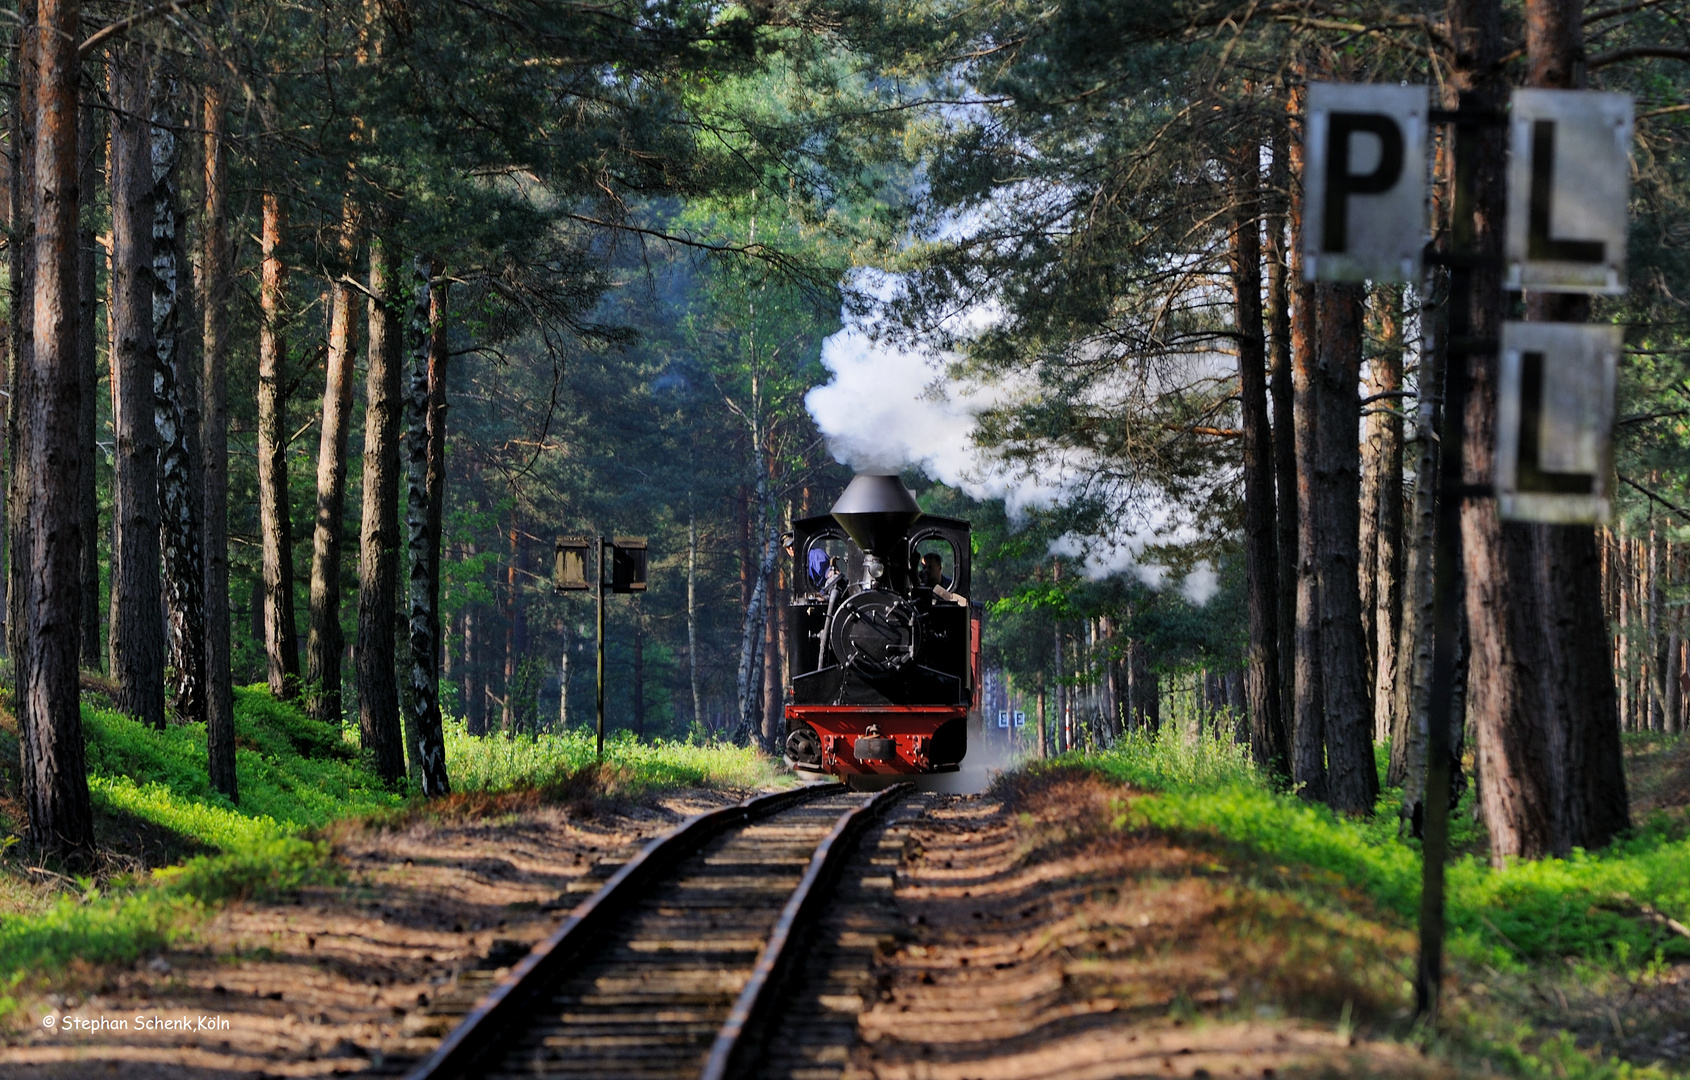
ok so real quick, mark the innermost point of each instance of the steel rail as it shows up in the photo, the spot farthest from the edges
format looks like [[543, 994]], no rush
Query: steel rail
[[501, 1009], [746, 1028]]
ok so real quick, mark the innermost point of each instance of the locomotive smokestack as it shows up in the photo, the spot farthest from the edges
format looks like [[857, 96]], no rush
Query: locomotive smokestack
[[876, 512]]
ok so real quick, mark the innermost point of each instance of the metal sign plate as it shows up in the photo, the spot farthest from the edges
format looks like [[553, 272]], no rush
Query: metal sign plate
[[1003, 719], [1555, 420], [1020, 718], [1569, 175], [1365, 210], [571, 569]]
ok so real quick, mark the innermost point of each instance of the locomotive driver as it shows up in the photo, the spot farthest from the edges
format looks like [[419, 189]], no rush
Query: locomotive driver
[[933, 573]]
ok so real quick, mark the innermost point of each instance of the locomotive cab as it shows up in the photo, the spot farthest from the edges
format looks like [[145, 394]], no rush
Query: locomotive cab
[[884, 658]]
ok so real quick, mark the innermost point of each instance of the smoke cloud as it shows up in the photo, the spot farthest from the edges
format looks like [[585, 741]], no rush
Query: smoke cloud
[[887, 408]]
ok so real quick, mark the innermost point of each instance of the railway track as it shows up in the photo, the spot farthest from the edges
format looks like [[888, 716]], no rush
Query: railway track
[[680, 966]]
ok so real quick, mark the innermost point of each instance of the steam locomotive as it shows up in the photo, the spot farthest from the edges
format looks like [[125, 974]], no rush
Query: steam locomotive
[[885, 662]]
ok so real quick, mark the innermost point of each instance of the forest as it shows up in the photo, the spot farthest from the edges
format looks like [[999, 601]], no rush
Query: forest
[[417, 294], [325, 320]]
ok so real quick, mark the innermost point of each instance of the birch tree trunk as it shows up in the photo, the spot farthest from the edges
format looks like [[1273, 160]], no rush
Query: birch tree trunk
[[137, 638], [1268, 744], [176, 417], [751, 630], [426, 743], [88, 365], [378, 548], [281, 640], [324, 641], [1352, 777], [217, 280], [46, 414]]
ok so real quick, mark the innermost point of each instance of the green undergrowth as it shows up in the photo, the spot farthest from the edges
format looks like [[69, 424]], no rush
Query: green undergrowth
[[1595, 912], [1590, 906], [498, 763], [296, 778]]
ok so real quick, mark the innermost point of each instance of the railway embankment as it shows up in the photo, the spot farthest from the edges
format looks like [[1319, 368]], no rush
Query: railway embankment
[[308, 929], [1152, 911], [1163, 914]]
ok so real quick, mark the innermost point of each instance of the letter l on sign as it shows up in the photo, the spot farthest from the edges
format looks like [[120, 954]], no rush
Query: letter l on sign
[[1569, 175]]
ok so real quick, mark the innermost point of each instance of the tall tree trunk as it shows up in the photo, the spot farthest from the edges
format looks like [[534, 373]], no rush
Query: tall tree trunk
[[20, 261], [1413, 688], [1284, 439], [48, 510], [1352, 777], [426, 744], [1580, 693], [1308, 720], [771, 665], [217, 281], [1268, 743], [438, 355], [692, 616], [324, 642], [378, 546], [1384, 508], [137, 638], [515, 631], [275, 524], [176, 416], [563, 675], [88, 363], [1517, 764], [475, 709], [1308, 730], [751, 630]]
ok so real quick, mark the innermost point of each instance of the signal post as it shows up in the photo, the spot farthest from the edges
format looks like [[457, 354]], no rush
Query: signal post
[[1367, 217], [628, 556]]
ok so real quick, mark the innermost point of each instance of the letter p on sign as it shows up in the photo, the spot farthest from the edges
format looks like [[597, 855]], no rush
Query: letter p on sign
[[1365, 215]]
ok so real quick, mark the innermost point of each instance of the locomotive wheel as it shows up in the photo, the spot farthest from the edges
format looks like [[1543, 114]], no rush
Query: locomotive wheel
[[804, 746]]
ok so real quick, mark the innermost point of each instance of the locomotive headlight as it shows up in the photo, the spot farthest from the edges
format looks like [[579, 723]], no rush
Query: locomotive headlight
[[873, 568]]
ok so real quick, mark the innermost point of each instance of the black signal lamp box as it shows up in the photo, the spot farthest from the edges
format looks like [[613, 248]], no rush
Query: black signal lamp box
[[628, 564]]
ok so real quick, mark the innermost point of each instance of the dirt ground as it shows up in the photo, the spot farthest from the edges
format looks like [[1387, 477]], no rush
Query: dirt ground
[[1040, 943], [1032, 939], [341, 979]]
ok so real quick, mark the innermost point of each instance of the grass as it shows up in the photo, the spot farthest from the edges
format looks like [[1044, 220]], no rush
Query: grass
[[1585, 906], [499, 764], [297, 777], [1525, 921]]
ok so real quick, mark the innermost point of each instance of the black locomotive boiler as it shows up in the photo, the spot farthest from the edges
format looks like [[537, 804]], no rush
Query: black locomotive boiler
[[884, 666]]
